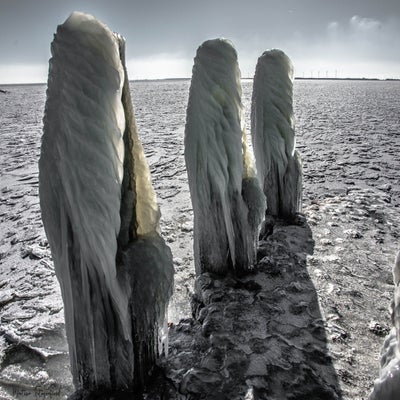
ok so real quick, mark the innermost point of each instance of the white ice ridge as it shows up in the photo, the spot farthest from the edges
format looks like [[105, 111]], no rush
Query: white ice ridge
[[228, 203], [272, 130], [387, 386], [100, 212]]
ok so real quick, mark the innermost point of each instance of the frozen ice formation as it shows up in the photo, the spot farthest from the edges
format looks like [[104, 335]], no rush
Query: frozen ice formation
[[100, 212], [228, 203], [272, 130], [387, 386]]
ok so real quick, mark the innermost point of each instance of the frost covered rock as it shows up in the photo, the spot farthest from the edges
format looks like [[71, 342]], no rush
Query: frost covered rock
[[100, 212], [387, 386], [272, 130], [228, 203]]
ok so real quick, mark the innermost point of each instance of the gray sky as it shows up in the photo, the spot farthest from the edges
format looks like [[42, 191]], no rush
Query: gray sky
[[351, 37]]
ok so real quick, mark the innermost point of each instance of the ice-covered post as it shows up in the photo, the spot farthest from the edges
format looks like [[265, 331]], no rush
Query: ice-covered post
[[387, 386], [100, 212], [227, 200], [272, 130]]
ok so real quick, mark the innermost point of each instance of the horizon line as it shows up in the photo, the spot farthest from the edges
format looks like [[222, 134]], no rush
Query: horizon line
[[243, 78]]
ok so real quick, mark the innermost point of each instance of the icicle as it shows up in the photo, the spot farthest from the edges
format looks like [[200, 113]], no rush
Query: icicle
[[163, 342]]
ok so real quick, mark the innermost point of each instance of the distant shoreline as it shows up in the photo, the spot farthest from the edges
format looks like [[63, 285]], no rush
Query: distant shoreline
[[347, 79], [297, 78]]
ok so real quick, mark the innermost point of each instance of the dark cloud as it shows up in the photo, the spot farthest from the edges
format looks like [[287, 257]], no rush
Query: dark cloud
[[155, 28]]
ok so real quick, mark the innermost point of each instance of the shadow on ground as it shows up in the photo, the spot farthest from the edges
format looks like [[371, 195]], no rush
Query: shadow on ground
[[257, 337]]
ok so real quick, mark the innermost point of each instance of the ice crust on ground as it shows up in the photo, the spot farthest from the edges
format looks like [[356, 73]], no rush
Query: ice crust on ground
[[227, 202], [351, 208], [387, 386], [94, 182], [272, 130]]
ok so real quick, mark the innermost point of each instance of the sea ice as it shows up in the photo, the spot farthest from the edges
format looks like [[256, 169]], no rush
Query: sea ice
[[100, 212], [272, 130], [228, 203]]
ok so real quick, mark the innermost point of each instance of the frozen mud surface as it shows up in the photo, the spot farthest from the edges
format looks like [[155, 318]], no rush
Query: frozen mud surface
[[348, 137]]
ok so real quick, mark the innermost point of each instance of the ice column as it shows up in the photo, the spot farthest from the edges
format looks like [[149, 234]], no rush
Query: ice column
[[100, 212], [387, 386], [227, 200], [272, 130]]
